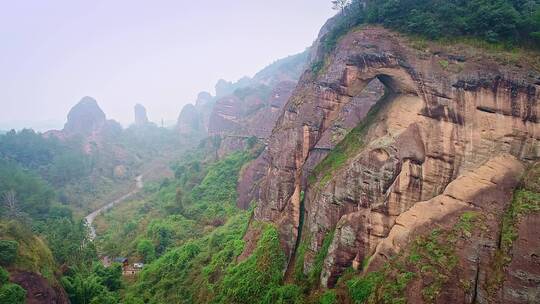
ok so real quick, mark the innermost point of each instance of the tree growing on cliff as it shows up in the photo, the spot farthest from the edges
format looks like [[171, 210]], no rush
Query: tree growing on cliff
[[10, 203], [340, 5]]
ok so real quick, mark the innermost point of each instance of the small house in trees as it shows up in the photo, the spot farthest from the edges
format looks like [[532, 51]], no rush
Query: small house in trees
[[123, 261]]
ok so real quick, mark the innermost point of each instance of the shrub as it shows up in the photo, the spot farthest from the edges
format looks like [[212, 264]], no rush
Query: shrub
[[260, 274], [8, 252], [329, 297], [315, 273], [287, 294], [12, 294], [361, 288], [146, 249], [4, 276]]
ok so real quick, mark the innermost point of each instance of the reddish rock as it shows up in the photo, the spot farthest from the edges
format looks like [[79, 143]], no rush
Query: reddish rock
[[189, 120], [38, 289], [436, 127]]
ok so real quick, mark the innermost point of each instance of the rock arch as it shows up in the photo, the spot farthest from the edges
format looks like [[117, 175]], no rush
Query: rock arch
[[431, 133], [309, 113]]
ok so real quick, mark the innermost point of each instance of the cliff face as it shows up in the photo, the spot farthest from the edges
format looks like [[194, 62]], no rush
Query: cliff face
[[38, 289], [189, 121], [85, 117], [452, 134], [246, 108]]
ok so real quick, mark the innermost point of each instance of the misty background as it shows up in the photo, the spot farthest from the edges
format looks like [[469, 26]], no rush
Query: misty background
[[159, 53]]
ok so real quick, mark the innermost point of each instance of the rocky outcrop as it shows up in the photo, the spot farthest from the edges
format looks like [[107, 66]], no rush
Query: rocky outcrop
[[522, 276], [283, 70], [85, 117], [250, 112], [38, 289], [245, 109], [441, 136], [141, 119], [88, 122], [189, 121]]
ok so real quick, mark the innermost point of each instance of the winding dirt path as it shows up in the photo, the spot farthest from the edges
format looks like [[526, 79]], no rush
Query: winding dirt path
[[139, 184]]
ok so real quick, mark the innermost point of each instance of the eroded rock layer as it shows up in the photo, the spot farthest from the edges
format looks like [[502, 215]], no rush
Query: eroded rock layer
[[445, 138]]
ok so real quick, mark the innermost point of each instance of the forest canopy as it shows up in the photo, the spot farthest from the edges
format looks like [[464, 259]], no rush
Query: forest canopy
[[497, 21]]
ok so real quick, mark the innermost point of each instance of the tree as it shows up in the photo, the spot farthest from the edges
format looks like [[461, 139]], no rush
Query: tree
[[179, 200], [12, 293], [110, 277], [146, 249], [69, 241], [84, 288], [340, 5], [10, 202], [9, 292], [8, 251]]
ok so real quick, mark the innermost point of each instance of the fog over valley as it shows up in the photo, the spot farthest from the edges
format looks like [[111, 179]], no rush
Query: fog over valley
[[126, 52]]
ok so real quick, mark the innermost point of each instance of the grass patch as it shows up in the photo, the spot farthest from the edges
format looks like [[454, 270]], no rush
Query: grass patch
[[33, 254], [444, 64], [315, 273]]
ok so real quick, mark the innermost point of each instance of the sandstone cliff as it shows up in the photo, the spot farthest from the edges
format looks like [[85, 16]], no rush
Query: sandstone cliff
[[451, 136], [87, 121], [243, 109]]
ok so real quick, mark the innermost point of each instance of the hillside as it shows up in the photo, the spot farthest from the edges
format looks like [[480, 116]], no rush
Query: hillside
[[396, 160], [392, 207]]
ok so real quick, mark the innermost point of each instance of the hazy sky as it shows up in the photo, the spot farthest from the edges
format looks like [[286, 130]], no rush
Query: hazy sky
[[159, 53]]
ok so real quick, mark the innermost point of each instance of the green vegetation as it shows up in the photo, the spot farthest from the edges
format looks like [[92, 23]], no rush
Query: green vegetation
[[360, 289], [68, 240], [146, 250], [299, 275], [329, 297], [191, 270], [444, 64], [57, 162], [98, 285], [187, 229], [199, 198], [259, 275], [496, 21], [32, 252], [23, 193], [8, 252], [286, 294], [315, 273], [431, 257], [9, 292], [512, 21]]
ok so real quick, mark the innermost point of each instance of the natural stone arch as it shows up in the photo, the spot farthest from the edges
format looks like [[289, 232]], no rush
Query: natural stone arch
[[304, 131]]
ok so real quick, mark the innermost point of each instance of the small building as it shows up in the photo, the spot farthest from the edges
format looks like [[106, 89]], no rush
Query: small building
[[123, 261]]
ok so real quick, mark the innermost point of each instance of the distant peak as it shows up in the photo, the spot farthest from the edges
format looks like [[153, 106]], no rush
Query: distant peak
[[87, 100], [85, 116], [141, 117]]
